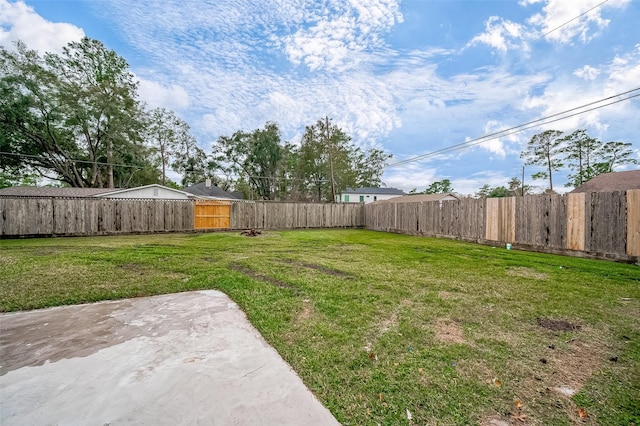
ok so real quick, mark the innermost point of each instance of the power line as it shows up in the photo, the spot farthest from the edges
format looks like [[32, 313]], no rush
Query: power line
[[41, 157], [571, 20], [521, 127]]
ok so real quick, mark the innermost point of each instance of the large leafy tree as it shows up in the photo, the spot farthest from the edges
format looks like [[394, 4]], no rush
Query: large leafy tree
[[328, 162], [614, 154], [71, 117], [439, 187], [543, 150], [170, 139], [255, 157], [579, 152]]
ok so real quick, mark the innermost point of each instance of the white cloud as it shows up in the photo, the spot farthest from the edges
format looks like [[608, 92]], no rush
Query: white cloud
[[621, 74], [159, 95], [499, 146], [566, 15], [339, 31], [502, 35], [587, 73], [20, 22]]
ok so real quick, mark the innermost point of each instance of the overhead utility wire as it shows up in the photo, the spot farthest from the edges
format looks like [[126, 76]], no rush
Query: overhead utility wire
[[571, 20], [519, 128]]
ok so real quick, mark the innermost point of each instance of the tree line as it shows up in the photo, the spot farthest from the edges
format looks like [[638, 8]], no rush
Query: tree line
[[76, 118], [584, 156]]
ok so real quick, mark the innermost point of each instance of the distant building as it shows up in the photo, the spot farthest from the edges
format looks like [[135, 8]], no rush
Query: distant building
[[416, 198], [207, 190], [609, 182], [368, 195], [146, 192]]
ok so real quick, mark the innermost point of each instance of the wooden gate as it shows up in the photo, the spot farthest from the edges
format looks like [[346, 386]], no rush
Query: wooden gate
[[212, 214]]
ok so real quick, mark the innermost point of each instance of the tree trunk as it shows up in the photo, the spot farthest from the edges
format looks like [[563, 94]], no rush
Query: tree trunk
[[110, 165]]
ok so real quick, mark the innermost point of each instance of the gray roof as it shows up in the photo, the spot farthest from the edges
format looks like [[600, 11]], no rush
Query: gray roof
[[389, 191], [202, 190], [35, 191], [417, 198], [609, 182]]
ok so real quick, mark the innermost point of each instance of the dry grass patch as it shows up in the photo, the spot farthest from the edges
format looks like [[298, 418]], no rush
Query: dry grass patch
[[448, 331], [525, 272]]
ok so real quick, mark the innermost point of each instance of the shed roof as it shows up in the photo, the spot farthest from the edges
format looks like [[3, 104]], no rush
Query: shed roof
[[609, 182], [388, 191], [416, 198], [38, 191], [203, 190]]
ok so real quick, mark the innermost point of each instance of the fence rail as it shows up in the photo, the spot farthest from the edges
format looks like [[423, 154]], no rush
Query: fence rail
[[606, 224]]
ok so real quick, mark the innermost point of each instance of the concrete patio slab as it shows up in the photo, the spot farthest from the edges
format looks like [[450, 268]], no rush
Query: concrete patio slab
[[179, 359]]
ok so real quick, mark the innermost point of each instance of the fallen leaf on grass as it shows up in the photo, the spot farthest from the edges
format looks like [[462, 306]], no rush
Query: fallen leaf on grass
[[582, 413], [497, 382], [380, 396], [420, 370], [373, 356], [520, 417], [518, 404]]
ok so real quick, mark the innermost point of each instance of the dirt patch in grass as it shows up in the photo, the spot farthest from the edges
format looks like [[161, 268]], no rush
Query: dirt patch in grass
[[319, 268], [524, 272], [557, 325], [305, 313], [448, 331], [258, 276], [6, 260]]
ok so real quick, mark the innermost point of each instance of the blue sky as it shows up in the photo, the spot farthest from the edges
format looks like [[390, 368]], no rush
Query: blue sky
[[410, 77]]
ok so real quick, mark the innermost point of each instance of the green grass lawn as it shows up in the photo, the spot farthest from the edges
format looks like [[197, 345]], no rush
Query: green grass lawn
[[381, 325]]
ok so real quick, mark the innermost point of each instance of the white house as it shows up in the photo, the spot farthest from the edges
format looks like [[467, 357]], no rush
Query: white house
[[417, 198], [367, 195], [153, 191]]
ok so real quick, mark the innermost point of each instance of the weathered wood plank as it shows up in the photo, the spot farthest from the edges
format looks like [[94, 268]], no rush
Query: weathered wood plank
[[633, 222], [575, 221]]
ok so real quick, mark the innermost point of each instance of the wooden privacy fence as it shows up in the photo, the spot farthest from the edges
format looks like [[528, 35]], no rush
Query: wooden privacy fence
[[92, 216], [601, 223], [20, 216], [277, 215]]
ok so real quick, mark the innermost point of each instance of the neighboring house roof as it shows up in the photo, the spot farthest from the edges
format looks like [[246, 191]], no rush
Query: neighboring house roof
[[609, 182], [416, 198], [386, 191], [201, 189], [115, 191], [35, 191]]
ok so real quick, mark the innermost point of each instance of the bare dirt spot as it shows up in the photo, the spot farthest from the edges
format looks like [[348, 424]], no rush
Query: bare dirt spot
[[258, 276], [319, 268], [494, 420], [524, 272], [388, 323], [557, 325], [7, 260], [447, 295], [133, 267], [305, 313], [448, 331]]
